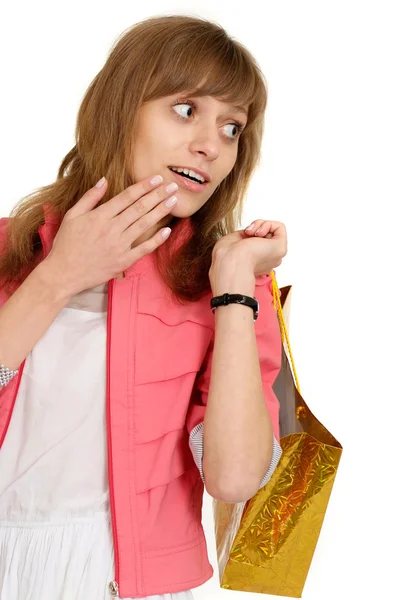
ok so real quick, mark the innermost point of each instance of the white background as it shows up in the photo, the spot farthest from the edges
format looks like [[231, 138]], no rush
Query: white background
[[330, 172]]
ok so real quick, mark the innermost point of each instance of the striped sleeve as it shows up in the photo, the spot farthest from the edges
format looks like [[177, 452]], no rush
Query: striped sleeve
[[196, 443]]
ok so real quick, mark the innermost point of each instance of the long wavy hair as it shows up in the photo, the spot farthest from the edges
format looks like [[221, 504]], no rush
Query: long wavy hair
[[156, 57]]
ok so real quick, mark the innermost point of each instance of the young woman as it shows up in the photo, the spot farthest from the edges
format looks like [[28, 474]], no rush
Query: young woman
[[123, 390]]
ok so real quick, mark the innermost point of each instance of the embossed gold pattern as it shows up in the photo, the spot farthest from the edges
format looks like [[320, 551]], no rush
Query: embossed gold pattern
[[266, 544]]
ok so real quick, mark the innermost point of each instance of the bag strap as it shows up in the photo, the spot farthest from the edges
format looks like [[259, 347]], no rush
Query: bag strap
[[282, 325]]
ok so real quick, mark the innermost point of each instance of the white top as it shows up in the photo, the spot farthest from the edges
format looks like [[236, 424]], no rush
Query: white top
[[55, 524]]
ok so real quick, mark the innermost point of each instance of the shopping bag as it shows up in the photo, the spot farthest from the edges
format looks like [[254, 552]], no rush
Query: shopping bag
[[266, 544]]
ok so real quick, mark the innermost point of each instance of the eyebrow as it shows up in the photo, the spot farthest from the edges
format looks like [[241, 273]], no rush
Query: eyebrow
[[235, 107], [239, 109]]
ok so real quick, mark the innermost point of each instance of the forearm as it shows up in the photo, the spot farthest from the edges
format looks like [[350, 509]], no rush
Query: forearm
[[238, 434], [27, 314]]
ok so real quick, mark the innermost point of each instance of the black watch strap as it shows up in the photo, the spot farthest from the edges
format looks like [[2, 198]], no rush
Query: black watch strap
[[235, 298]]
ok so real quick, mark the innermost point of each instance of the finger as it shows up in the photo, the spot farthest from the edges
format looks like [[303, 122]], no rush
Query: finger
[[273, 229], [253, 226], [89, 200], [143, 208], [258, 228], [148, 246], [128, 196]]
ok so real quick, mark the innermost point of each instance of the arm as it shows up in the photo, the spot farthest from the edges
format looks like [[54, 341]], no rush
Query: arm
[[234, 411], [28, 313]]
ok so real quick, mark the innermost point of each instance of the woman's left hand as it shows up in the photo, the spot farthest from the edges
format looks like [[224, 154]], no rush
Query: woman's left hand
[[263, 247]]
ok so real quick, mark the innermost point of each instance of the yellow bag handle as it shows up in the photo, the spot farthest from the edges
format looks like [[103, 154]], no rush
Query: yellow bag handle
[[284, 333]]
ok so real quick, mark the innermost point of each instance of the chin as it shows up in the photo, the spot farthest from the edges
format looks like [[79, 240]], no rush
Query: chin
[[181, 212], [186, 208]]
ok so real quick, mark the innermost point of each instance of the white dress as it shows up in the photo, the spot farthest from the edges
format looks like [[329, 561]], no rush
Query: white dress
[[55, 525]]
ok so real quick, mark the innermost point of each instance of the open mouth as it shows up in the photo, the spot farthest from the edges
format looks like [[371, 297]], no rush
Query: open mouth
[[187, 176]]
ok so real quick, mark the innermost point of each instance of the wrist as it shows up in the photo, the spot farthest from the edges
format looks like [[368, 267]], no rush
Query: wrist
[[228, 301], [234, 286], [231, 279], [49, 275]]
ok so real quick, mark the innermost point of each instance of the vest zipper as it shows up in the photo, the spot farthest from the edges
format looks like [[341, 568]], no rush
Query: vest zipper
[[113, 585]]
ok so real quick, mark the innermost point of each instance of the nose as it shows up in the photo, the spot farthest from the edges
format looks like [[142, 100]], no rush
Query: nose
[[206, 141]]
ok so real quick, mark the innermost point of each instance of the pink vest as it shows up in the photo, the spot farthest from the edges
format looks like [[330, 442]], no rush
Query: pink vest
[[159, 358]]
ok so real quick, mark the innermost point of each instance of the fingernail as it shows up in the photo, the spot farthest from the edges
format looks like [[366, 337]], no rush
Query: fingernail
[[101, 182], [165, 232], [171, 187], [250, 227], [171, 201], [156, 180]]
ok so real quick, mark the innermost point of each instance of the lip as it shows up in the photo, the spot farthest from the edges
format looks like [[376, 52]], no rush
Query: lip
[[192, 186], [196, 170]]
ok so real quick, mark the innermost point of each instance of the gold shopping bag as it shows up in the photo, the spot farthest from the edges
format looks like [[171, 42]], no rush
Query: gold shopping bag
[[266, 544]]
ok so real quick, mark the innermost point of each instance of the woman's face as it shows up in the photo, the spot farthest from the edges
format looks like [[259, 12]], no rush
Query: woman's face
[[186, 132]]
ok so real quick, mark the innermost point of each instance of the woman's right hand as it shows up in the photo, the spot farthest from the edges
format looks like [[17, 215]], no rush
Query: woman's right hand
[[93, 245]]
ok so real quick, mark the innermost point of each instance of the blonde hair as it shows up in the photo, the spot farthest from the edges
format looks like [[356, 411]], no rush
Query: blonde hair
[[157, 57]]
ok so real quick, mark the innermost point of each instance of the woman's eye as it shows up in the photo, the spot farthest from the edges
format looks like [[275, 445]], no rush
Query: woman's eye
[[185, 104], [189, 112], [237, 128]]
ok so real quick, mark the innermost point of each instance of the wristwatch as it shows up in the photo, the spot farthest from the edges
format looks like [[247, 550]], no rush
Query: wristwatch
[[235, 298]]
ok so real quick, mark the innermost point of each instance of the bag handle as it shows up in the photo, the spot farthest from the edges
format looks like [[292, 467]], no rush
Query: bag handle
[[282, 324]]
